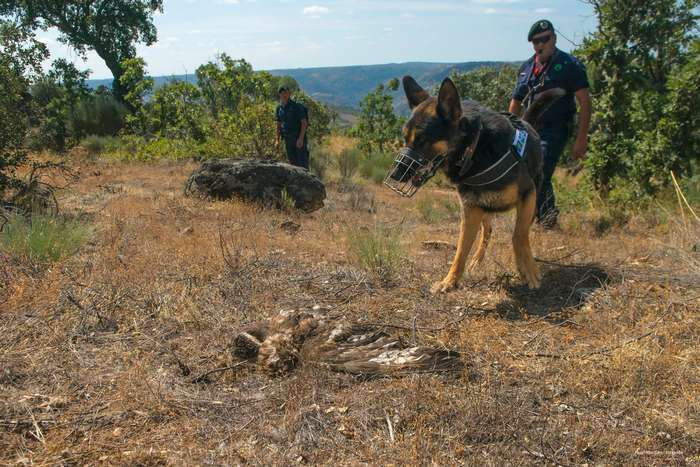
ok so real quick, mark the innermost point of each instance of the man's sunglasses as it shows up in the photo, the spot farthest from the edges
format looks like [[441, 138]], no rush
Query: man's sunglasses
[[542, 40]]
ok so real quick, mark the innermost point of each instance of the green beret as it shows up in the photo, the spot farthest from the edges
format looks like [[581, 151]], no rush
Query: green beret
[[540, 26]]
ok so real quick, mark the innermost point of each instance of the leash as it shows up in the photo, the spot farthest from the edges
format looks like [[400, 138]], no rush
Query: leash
[[532, 90]]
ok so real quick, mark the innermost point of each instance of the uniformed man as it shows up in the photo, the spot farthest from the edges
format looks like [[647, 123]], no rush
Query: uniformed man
[[550, 68], [292, 123]]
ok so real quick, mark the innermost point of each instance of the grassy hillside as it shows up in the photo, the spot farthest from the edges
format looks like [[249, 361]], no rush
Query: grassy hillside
[[345, 86], [121, 353]]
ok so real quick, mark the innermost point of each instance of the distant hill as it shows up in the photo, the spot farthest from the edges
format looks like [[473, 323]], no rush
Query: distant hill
[[343, 87], [346, 86]]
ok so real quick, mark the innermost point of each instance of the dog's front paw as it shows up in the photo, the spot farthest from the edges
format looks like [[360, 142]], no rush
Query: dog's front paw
[[443, 286], [532, 276]]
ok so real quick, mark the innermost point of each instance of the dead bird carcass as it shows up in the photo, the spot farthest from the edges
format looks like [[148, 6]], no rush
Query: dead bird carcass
[[294, 337]]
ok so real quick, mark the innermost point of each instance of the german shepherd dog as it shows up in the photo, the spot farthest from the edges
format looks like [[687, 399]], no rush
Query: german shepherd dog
[[465, 138]]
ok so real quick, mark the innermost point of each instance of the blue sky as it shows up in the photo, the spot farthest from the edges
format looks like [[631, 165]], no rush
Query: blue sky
[[295, 33]]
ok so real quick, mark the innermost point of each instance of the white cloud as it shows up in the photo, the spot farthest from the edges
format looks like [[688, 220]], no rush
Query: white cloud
[[544, 10], [315, 11], [497, 11]]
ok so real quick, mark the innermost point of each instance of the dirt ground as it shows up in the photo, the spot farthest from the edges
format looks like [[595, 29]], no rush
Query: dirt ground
[[104, 356]]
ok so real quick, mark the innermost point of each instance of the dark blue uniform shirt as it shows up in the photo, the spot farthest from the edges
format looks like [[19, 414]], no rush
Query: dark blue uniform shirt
[[290, 117], [564, 71]]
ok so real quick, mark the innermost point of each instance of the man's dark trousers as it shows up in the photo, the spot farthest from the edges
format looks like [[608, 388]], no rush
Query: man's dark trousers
[[297, 156], [553, 143]]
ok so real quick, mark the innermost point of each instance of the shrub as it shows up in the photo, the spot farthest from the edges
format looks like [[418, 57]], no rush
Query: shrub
[[96, 145], [137, 148], [348, 162], [488, 85], [100, 115], [20, 54], [451, 206], [319, 163], [571, 198], [248, 132], [429, 211], [377, 250], [174, 111], [375, 166], [43, 238], [287, 203], [359, 197]]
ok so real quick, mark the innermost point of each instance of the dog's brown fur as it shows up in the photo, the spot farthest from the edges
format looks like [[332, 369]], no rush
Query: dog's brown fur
[[445, 124]]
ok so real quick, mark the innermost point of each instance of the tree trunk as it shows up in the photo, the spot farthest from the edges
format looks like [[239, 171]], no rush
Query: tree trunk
[[114, 65]]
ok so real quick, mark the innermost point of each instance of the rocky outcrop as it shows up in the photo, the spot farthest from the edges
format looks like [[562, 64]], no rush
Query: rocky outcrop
[[270, 182]]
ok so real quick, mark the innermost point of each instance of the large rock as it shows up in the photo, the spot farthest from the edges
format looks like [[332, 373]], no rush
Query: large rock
[[257, 180]]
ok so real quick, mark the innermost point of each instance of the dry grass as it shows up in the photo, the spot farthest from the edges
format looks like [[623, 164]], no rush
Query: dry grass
[[336, 144], [104, 356]]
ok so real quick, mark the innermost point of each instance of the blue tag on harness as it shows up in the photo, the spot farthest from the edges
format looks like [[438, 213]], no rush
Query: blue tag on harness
[[519, 142]]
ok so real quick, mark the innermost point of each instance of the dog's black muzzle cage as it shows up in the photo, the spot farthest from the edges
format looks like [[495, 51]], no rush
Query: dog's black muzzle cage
[[411, 170]]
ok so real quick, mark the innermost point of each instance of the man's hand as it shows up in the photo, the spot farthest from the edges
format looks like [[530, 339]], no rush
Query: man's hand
[[580, 148], [277, 142], [515, 107], [302, 135]]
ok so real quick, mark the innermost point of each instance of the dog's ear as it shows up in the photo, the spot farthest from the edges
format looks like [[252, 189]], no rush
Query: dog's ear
[[470, 126], [449, 105], [414, 93]]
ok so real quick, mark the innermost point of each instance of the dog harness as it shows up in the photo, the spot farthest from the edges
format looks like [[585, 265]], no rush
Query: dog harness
[[411, 169], [501, 168]]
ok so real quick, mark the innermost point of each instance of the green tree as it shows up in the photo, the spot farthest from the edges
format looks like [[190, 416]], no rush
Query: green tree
[[491, 86], [139, 86], [241, 103], [321, 118], [638, 58], [225, 82], [378, 126], [20, 61], [248, 132], [176, 111], [58, 95], [111, 28]]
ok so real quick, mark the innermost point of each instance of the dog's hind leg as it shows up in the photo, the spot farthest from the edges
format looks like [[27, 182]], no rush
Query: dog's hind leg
[[471, 218], [483, 243], [527, 267]]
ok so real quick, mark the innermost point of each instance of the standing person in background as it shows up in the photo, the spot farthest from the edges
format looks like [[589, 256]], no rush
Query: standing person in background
[[551, 68], [292, 123]]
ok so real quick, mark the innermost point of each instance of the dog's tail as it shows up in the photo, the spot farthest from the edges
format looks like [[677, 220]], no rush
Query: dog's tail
[[540, 104]]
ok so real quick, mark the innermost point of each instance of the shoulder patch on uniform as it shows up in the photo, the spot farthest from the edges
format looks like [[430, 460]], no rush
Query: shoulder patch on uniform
[[557, 67]]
